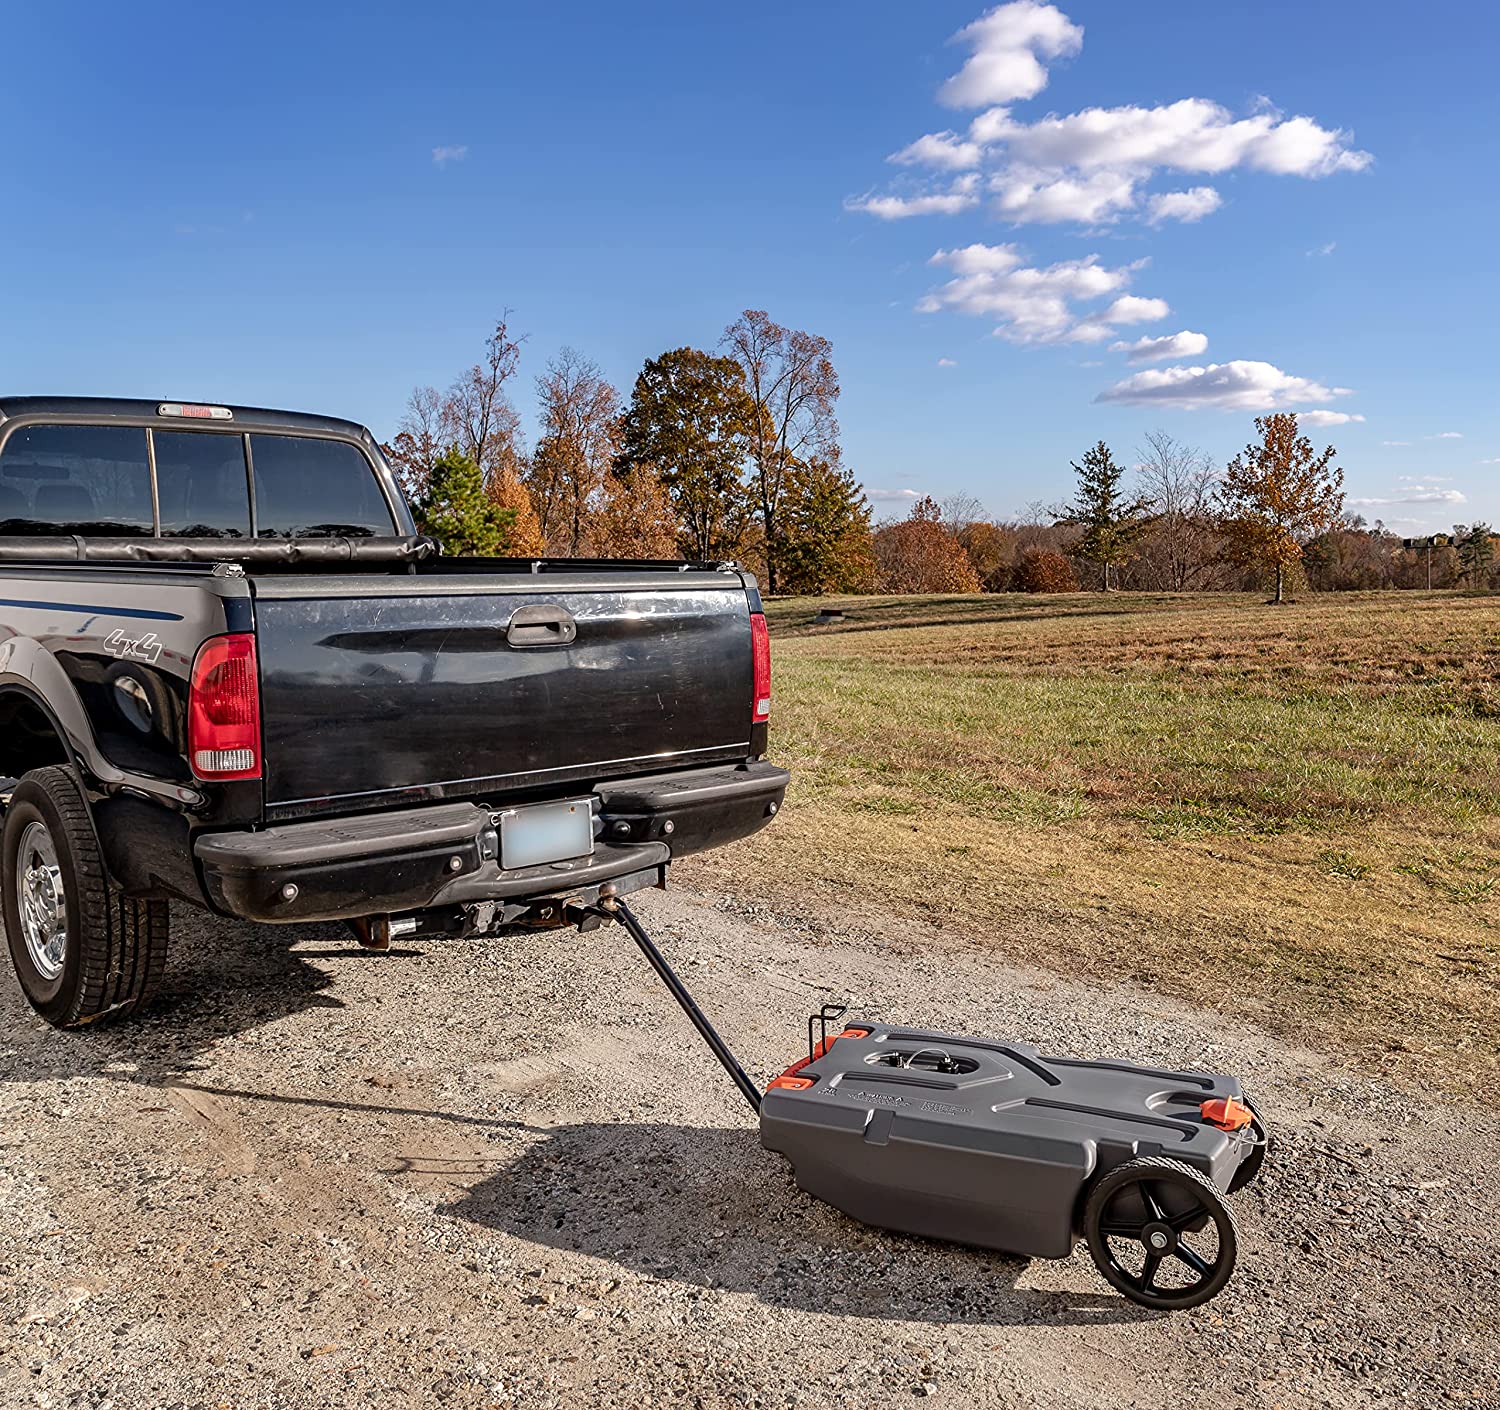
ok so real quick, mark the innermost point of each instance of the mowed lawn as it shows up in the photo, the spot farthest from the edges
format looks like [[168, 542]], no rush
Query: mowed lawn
[[1292, 813]]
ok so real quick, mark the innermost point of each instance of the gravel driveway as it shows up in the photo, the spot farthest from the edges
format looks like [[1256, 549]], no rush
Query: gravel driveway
[[504, 1173]]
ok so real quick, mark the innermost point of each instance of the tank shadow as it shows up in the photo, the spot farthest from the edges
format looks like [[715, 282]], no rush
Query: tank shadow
[[711, 1208]]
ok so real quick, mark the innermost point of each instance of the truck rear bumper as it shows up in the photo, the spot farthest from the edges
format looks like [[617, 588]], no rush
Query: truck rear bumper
[[447, 854]]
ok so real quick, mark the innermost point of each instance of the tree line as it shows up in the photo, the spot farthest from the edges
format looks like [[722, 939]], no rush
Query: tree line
[[1272, 518], [724, 454], [733, 453]]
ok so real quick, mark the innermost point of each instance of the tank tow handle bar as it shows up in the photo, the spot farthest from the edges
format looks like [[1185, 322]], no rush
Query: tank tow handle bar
[[613, 908]]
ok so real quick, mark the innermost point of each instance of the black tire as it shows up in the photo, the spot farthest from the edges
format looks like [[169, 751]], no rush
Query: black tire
[[1250, 1166], [114, 947], [1154, 1198]]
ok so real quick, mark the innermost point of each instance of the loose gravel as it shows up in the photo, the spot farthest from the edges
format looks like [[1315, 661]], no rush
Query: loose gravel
[[505, 1173]]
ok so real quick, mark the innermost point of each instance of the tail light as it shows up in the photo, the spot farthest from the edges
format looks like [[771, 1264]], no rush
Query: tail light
[[224, 710], [760, 640]]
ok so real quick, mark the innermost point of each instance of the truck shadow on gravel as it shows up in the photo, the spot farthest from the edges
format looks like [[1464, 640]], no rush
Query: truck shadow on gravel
[[709, 1208], [223, 978]]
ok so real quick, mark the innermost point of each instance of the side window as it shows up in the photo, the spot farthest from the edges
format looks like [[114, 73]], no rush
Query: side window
[[310, 488], [201, 485], [75, 480]]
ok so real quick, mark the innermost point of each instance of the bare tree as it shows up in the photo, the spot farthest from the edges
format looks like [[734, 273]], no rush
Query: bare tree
[[793, 386], [420, 440], [1179, 480], [477, 415], [1039, 526], [474, 415], [961, 509], [580, 413]]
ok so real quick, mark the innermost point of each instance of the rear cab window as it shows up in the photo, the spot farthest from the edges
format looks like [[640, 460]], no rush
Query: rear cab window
[[76, 480], [201, 485], [311, 488], [96, 480]]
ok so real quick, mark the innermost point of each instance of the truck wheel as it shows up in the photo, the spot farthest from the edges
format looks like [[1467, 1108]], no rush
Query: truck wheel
[[1147, 1224], [82, 949]]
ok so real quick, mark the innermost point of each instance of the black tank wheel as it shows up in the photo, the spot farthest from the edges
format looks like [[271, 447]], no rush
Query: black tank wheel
[[1161, 1233], [1250, 1166]]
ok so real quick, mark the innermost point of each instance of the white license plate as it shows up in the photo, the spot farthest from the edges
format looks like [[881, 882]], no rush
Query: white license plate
[[546, 832]]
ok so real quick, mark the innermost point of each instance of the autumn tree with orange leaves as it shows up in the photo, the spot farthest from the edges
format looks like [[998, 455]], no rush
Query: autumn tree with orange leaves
[[918, 554], [579, 411], [1277, 493]]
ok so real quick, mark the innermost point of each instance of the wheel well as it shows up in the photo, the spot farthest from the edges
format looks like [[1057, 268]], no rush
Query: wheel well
[[28, 738]]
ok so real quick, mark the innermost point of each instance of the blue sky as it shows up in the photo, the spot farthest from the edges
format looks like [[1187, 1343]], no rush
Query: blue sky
[[256, 205]]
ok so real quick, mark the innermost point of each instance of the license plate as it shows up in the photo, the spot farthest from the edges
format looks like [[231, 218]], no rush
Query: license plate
[[546, 832]]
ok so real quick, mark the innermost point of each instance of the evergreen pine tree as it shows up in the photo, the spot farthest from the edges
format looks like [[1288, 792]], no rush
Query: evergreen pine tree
[[826, 522], [458, 511], [1476, 554], [1112, 525]]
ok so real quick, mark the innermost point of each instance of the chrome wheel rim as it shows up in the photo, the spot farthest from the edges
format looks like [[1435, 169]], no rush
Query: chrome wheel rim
[[42, 902]]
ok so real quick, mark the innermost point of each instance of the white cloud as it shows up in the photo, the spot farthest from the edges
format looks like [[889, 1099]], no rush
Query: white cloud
[[1416, 494], [1323, 250], [1027, 196], [1183, 344], [891, 494], [1131, 308], [1395, 443], [980, 259], [946, 362], [1192, 134], [441, 156], [1038, 305], [1005, 42], [1187, 206], [959, 196], [1496, 461], [1446, 436], [1092, 166], [946, 151], [1128, 308], [1320, 417], [1229, 386]]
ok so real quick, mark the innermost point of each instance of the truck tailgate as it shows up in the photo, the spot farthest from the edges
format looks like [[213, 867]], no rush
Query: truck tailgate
[[378, 690]]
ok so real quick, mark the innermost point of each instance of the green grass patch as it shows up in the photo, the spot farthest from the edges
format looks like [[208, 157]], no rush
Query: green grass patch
[[1181, 757]]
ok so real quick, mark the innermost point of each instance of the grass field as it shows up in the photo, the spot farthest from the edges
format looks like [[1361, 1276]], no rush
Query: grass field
[[1289, 812]]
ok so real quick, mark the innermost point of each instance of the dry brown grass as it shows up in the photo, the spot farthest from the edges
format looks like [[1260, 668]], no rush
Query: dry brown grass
[[1293, 813]]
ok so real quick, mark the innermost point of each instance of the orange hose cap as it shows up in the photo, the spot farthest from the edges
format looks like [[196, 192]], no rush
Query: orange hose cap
[[1227, 1114]]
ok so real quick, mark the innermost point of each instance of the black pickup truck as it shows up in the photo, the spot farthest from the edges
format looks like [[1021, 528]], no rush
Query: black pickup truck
[[231, 672]]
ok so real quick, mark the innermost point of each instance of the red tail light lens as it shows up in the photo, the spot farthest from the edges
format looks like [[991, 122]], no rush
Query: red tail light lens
[[224, 710], [760, 640]]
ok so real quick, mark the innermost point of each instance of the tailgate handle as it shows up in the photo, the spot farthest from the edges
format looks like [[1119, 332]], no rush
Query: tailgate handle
[[541, 624]]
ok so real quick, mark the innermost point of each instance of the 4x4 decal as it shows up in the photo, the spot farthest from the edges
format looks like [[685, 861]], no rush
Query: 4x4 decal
[[146, 648]]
